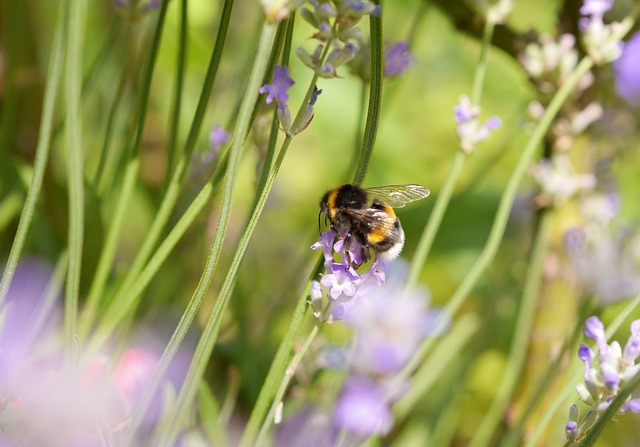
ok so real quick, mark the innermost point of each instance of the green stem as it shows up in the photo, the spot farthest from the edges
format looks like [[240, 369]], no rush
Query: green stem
[[96, 291], [435, 219], [73, 78], [54, 75], [174, 149], [11, 35], [210, 333], [375, 101], [168, 433], [290, 372], [502, 215], [576, 375], [513, 438], [444, 195], [362, 106], [173, 190], [273, 133], [611, 411], [277, 369], [480, 74], [438, 363], [100, 169], [111, 320], [518, 352]]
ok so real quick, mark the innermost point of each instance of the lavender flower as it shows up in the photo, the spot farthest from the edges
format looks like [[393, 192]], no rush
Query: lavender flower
[[558, 181], [43, 404], [389, 325], [612, 370], [550, 60], [596, 8], [603, 41], [277, 91], [361, 408], [341, 284], [605, 373], [627, 71], [397, 59], [336, 25], [605, 257], [470, 131], [342, 280]]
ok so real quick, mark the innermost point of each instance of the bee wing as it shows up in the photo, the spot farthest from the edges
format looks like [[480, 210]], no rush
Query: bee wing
[[375, 220], [397, 196]]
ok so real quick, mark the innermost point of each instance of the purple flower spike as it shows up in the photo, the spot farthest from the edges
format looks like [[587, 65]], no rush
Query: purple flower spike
[[278, 88], [627, 72], [398, 59]]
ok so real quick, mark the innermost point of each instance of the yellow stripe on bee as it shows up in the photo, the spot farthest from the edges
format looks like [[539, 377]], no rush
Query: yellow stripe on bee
[[380, 233], [389, 211], [331, 202], [376, 236]]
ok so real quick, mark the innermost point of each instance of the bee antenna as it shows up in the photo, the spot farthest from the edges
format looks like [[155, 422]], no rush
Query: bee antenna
[[319, 225]]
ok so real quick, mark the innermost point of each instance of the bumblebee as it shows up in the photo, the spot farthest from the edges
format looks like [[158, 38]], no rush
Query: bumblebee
[[365, 216]]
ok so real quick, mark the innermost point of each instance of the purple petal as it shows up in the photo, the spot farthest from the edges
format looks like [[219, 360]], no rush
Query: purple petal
[[586, 354], [594, 328], [398, 59], [361, 408], [627, 72], [632, 405]]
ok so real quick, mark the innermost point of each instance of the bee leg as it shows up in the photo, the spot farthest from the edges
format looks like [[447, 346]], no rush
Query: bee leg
[[357, 244]]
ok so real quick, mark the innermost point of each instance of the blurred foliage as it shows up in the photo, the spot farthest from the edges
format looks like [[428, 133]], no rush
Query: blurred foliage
[[416, 143]]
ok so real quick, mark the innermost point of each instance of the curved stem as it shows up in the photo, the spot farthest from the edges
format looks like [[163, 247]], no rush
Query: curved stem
[[435, 219], [576, 375], [75, 32], [171, 195], [502, 215], [375, 101], [130, 176], [277, 369], [178, 87], [518, 352], [290, 372], [54, 75], [168, 433], [444, 195]]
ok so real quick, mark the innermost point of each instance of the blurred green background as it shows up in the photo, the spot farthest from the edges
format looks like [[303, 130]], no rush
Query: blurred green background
[[416, 143]]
